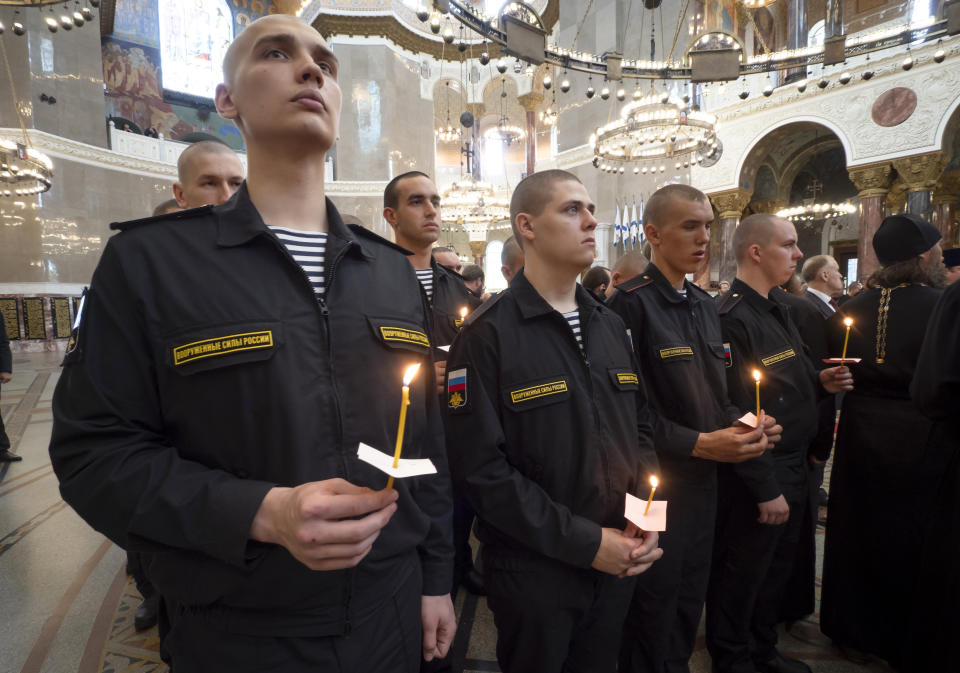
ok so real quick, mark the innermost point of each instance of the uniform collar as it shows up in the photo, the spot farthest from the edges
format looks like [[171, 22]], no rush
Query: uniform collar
[[532, 304], [239, 222], [666, 288], [758, 301]]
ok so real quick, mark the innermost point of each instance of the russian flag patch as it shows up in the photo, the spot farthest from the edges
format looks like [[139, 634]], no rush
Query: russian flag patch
[[457, 388]]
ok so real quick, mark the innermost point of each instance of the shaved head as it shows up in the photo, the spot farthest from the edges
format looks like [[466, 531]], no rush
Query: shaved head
[[533, 193], [657, 208], [630, 265], [187, 159], [755, 229], [243, 43]]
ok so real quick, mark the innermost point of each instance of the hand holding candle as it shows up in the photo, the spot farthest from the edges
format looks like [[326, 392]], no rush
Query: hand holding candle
[[404, 403], [756, 377], [843, 356], [654, 482]]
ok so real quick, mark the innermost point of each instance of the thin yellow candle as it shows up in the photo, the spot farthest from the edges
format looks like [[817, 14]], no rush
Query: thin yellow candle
[[404, 403], [756, 377], [654, 482], [463, 313], [848, 322]]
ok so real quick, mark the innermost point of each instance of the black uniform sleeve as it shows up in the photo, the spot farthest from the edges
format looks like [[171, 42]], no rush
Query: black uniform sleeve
[[6, 358], [757, 473], [435, 498], [668, 436], [500, 494], [936, 382], [646, 423], [109, 450]]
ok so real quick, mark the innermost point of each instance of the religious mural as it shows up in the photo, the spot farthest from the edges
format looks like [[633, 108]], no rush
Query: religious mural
[[133, 67]]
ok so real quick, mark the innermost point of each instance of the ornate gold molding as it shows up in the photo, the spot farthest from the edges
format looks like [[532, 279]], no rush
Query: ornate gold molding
[[896, 199], [530, 101], [478, 249], [730, 204], [948, 188], [921, 172], [872, 179]]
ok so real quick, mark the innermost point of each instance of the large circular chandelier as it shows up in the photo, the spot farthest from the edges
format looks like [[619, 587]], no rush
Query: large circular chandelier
[[505, 132], [23, 170], [474, 205], [813, 211], [653, 131]]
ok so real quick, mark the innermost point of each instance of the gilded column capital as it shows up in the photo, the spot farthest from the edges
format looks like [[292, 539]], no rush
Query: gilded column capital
[[478, 248], [872, 179], [530, 101], [768, 206], [947, 189], [921, 172], [896, 199], [730, 204]]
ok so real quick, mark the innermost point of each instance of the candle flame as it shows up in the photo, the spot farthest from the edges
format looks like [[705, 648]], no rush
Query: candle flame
[[756, 375], [654, 481], [410, 373], [463, 313], [848, 321]]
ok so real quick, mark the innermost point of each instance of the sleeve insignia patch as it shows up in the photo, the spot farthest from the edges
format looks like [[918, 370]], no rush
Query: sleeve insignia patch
[[538, 391], [679, 351], [402, 335], [727, 355], [457, 388]]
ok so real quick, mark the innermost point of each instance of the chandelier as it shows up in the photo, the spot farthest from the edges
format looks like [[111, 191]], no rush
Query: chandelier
[[655, 130], [811, 211], [23, 170], [448, 133], [505, 132], [475, 206]]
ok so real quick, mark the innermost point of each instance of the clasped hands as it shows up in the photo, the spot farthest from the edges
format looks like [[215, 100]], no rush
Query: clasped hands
[[626, 552]]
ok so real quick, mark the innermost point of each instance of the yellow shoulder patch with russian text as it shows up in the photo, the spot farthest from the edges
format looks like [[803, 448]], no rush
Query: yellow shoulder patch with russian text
[[627, 378], [666, 353], [232, 343], [404, 335], [779, 357], [538, 391]]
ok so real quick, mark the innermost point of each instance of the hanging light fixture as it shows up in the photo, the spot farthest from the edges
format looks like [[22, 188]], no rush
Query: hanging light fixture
[[812, 211], [656, 129], [23, 170], [475, 206], [447, 133], [504, 131]]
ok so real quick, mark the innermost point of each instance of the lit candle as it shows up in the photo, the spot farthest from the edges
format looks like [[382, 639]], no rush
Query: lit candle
[[404, 403], [756, 377], [654, 482], [848, 322]]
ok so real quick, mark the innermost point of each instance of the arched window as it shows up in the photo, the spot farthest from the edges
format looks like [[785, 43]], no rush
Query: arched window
[[194, 36], [492, 277], [816, 34]]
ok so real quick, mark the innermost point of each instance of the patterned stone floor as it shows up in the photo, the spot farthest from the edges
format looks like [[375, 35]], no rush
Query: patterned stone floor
[[67, 604]]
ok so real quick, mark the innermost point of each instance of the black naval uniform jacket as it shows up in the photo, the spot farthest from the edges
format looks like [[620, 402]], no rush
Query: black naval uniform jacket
[[205, 371], [546, 440], [679, 346], [450, 295], [761, 335]]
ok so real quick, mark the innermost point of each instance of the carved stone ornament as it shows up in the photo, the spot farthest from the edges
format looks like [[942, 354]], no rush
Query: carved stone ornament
[[478, 248], [894, 107], [948, 188], [872, 179], [730, 204], [921, 172], [896, 199], [530, 101]]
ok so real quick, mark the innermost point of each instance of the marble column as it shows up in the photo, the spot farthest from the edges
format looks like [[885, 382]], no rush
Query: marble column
[[729, 205], [602, 236], [479, 249], [920, 174], [530, 102], [946, 196], [872, 182]]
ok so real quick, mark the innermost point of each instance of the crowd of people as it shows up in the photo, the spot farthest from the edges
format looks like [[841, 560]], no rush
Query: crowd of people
[[234, 351]]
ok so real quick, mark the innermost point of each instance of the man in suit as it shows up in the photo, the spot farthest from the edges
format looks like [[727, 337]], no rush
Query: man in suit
[[824, 283], [6, 369]]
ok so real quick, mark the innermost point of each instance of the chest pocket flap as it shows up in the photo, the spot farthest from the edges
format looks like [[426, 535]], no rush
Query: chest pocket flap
[[399, 333], [536, 393], [223, 345], [624, 379]]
